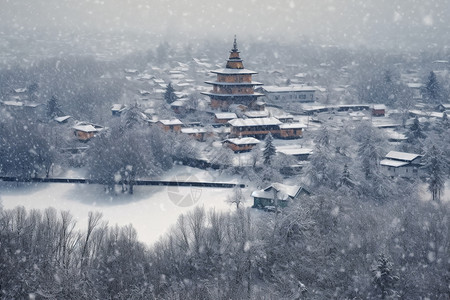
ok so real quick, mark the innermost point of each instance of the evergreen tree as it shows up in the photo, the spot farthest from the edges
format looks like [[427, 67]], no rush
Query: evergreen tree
[[269, 149], [169, 95], [445, 121], [384, 278], [432, 88], [435, 164], [53, 109], [415, 131]]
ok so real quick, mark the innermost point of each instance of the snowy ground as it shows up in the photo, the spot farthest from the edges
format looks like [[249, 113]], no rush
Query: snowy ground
[[152, 210]]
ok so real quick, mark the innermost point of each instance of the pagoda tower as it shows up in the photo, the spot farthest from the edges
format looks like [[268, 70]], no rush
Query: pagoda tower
[[234, 84]]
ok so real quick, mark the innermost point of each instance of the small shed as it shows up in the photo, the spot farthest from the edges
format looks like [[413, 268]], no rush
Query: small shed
[[277, 194], [379, 110]]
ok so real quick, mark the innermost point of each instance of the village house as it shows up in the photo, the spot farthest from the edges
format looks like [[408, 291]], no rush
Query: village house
[[85, 131], [173, 125], [291, 130], [241, 144], [277, 195], [401, 164], [255, 127], [223, 118], [195, 133]]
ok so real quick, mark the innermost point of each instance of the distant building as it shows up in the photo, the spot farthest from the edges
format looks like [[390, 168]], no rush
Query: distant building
[[416, 89], [260, 127], [379, 110], [241, 144], [196, 133], [401, 164], [234, 84], [255, 127], [173, 125], [277, 195], [85, 131], [223, 118], [117, 109], [299, 93], [291, 130]]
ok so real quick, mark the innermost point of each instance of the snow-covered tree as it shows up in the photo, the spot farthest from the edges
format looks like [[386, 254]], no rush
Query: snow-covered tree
[[237, 197], [269, 149], [384, 277], [53, 108], [432, 89], [436, 164]]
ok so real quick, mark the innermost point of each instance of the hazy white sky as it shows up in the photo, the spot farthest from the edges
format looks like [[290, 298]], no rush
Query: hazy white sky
[[337, 21]]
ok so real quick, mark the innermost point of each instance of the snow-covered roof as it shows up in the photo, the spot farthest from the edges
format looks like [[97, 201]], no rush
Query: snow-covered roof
[[294, 151], [178, 103], [243, 141], [379, 106], [62, 119], [271, 121], [232, 95], [256, 114], [289, 89], [394, 135], [20, 90], [117, 107], [393, 163], [193, 130], [283, 191], [292, 126], [12, 103], [171, 122], [233, 71], [414, 85], [233, 83], [225, 115], [85, 128], [404, 156]]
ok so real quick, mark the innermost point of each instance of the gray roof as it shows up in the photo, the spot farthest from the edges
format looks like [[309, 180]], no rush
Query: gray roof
[[404, 156], [254, 122]]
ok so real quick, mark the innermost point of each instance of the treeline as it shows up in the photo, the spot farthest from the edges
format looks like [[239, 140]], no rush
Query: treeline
[[333, 245]]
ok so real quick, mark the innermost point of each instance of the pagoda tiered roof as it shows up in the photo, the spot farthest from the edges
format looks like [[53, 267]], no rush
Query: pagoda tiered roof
[[233, 83]]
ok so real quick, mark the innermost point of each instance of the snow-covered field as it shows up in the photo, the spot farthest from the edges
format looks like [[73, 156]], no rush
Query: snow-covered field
[[152, 210]]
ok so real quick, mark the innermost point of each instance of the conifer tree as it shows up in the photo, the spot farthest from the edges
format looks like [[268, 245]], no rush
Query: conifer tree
[[435, 164], [415, 131], [269, 149], [432, 88], [384, 278], [53, 107], [169, 95]]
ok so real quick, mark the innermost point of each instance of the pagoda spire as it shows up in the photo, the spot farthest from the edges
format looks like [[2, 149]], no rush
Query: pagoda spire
[[234, 62], [235, 49]]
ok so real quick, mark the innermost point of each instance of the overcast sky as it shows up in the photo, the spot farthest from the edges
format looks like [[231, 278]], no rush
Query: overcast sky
[[352, 22]]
